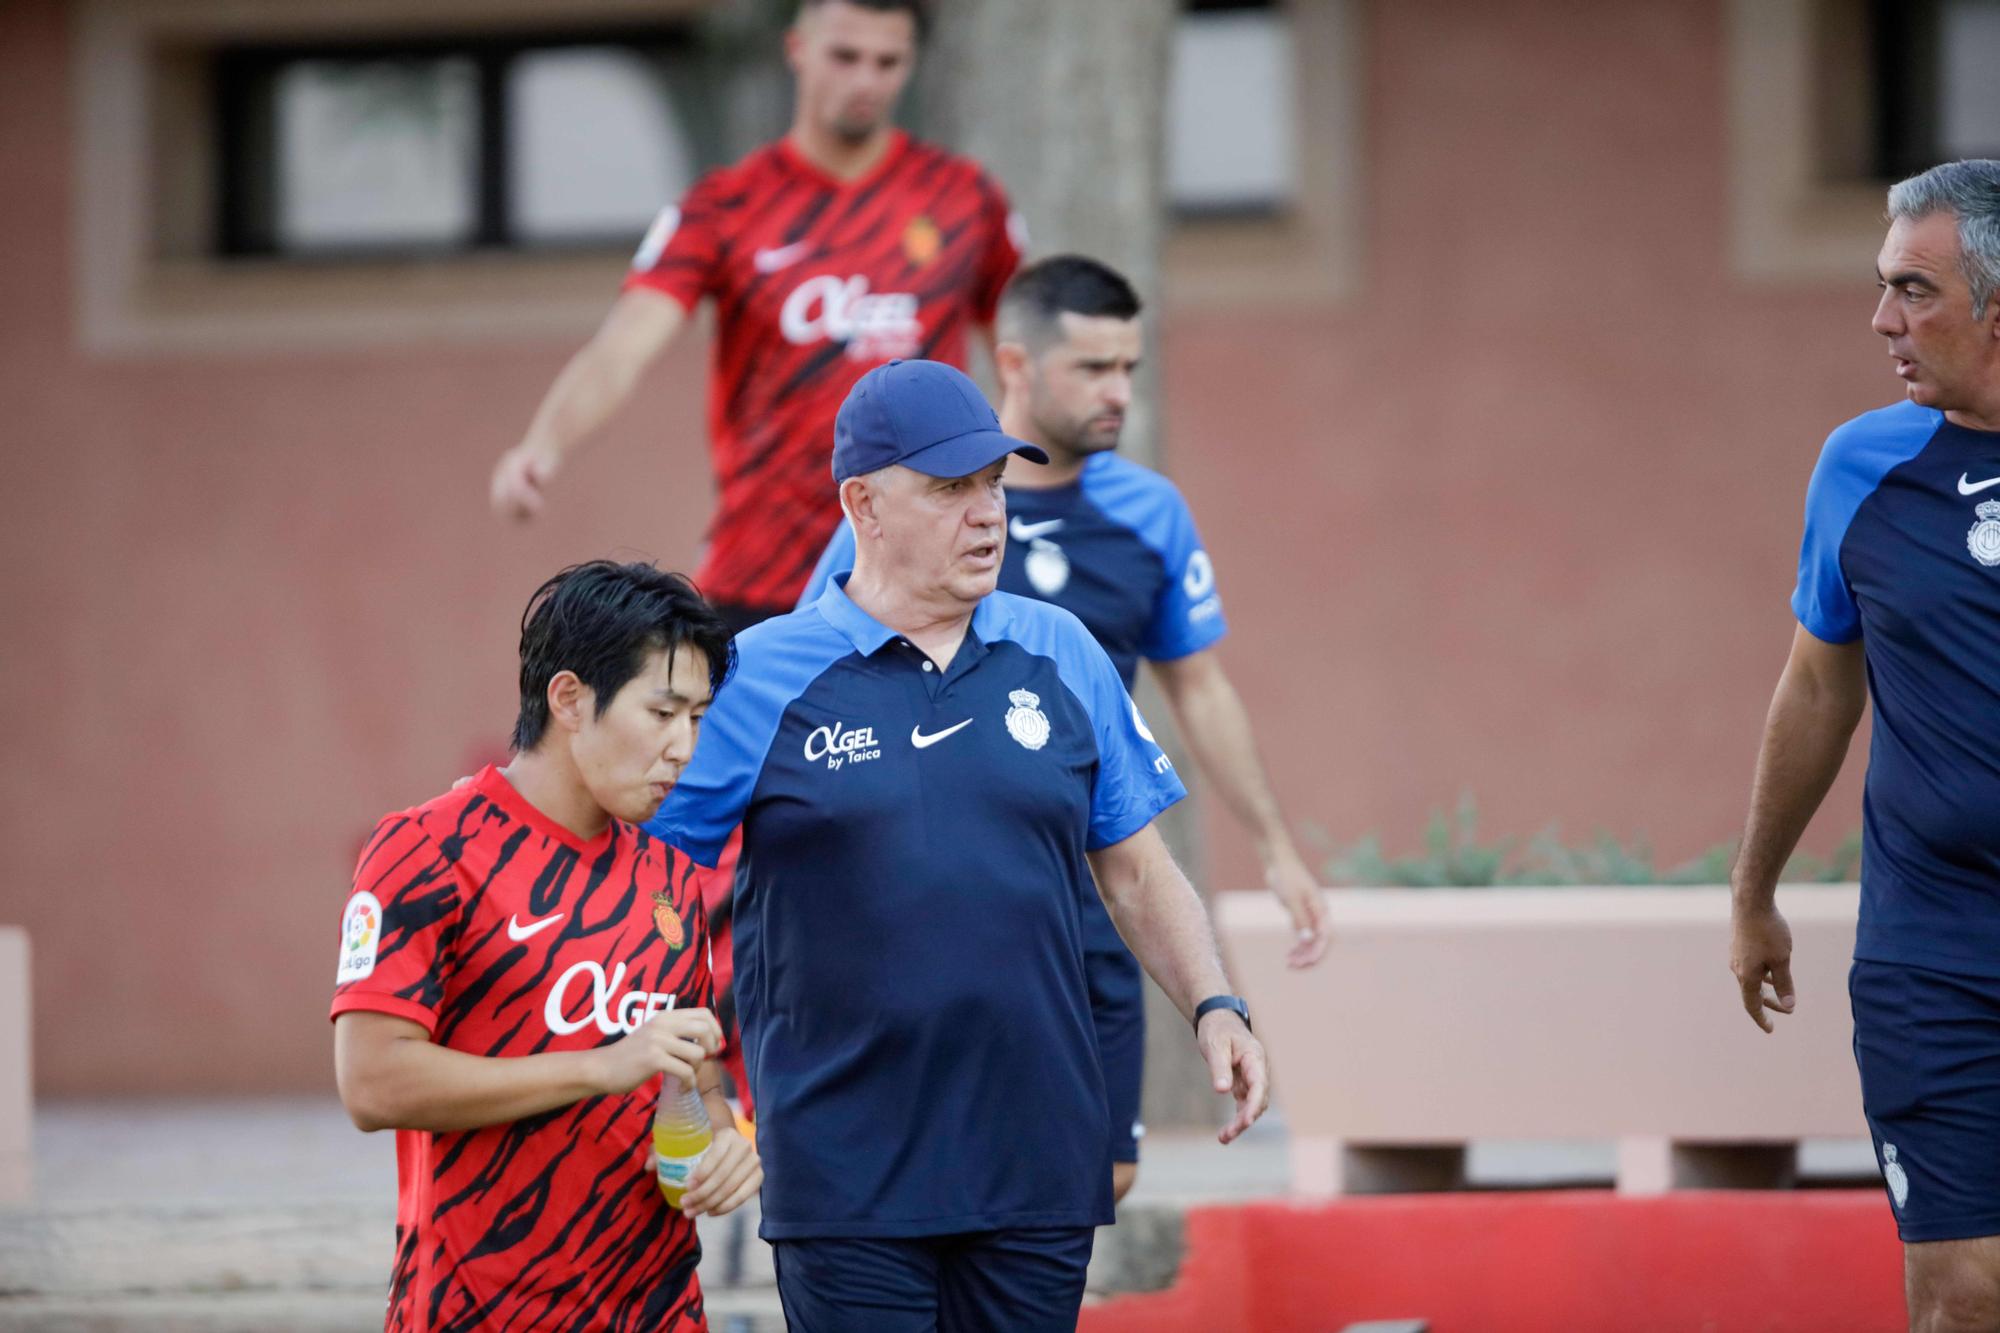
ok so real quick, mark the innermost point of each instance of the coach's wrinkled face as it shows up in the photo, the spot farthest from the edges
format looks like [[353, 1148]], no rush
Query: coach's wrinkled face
[[851, 64], [934, 538], [1943, 354], [631, 755]]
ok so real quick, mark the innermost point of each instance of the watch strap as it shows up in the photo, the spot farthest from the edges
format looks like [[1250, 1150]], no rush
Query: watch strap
[[1233, 1003]]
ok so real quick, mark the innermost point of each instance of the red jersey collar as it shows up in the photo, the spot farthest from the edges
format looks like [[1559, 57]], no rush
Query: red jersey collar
[[493, 785], [899, 143]]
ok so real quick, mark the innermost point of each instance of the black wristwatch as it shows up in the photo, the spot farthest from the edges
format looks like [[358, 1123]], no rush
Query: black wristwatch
[[1233, 1003]]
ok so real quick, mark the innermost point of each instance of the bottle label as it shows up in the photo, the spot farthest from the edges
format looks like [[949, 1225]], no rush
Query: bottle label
[[674, 1171]]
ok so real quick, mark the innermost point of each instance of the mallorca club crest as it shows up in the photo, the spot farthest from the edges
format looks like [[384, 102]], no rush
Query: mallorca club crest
[[921, 241], [1893, 1174], [1047, 567], [1984, 539], [668, 921], [1026, 722]]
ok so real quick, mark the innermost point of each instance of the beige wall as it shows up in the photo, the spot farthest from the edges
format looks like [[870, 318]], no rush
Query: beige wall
[[1518, 519]]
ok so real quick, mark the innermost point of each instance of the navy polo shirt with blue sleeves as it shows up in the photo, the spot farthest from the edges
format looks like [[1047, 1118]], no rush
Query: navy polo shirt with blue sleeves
[[1117, 547], [909, 911], [1902, 551]]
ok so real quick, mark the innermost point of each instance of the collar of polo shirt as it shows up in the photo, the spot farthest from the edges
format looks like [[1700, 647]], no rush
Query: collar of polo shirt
[[868, 634]]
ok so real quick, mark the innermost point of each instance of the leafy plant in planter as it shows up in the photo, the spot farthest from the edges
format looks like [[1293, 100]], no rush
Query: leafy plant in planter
[[1455, 856]]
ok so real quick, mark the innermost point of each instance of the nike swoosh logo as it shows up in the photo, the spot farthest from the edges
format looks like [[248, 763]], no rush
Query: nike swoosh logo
[[1975, 487], [518, 932], [1027, 532], [783, 256], [923, 742]]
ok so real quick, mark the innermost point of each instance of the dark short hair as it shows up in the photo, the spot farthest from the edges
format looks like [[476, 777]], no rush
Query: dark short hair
[[602, 620], [1063, 285], [918, 10]]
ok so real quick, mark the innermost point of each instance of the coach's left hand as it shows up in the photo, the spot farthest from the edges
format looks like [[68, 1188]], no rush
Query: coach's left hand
[[1236, 1062], [729, 1176]]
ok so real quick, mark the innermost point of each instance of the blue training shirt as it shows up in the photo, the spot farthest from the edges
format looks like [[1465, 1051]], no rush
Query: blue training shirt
[[909, 911], [1117, 548], [1902, 551]]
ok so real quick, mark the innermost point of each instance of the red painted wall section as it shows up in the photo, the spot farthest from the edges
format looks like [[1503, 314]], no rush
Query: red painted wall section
[[1519, 518], [1813, 1262]]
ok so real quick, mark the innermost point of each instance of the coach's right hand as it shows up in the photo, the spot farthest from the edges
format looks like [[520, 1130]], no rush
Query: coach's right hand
[[674, 1043], [519, 479], [1760, 948]]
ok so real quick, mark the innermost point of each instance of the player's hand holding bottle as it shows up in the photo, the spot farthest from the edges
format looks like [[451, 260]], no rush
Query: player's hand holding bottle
[[729, 1176], [673, 1043]]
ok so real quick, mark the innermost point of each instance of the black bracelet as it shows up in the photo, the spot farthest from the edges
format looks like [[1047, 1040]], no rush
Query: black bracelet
[[1234, 1004]]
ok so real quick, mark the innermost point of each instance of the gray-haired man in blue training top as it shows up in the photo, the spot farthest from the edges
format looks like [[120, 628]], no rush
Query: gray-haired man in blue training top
[[1899, 595]]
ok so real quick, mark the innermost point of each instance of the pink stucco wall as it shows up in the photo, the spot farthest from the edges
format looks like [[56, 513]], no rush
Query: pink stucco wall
[[1519, 519]]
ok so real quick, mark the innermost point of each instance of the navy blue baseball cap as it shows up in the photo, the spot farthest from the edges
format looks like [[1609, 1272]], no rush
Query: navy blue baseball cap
[[926, 416]]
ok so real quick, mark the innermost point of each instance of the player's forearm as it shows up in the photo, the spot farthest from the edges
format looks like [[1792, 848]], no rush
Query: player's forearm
[[587, 394], [1805, 741], [1216, 726], [708, 1082], [1161, 920], [414, 1084]]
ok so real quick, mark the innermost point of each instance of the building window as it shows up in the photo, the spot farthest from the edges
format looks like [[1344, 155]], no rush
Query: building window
[[440, 147], [1937, 97], [1232, 110]]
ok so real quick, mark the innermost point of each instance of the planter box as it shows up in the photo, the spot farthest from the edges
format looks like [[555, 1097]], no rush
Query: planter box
[[1440, 1016], [16, 1094]]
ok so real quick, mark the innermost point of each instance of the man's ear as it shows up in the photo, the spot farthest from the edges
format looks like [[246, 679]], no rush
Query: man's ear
[[1011, 360], [570, 701], [795, 45], [857, 501]]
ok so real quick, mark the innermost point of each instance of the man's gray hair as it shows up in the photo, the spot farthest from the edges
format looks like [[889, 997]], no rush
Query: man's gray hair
[[1969, 191]]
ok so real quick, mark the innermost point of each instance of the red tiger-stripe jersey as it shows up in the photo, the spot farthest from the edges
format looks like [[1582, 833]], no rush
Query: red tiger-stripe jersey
[[503, 934], [816, 281]]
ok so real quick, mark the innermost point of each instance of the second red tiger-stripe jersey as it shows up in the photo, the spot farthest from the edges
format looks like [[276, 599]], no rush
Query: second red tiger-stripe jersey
[[503, 934], [815, 282]]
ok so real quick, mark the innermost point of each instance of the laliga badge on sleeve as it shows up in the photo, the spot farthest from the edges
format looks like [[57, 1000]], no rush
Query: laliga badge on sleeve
[[360, 933]]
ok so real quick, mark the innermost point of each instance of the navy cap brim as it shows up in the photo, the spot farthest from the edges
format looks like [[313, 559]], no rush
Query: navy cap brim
[[969, 453]]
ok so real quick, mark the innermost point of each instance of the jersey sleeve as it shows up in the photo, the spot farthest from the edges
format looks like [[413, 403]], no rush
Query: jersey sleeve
[[399, 930], [682, 249], [1187, 612], [1822, 599], [1135, 779], [837, 558], [1006, 245]]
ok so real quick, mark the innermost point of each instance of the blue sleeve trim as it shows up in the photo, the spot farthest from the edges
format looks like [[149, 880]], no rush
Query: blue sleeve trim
[[837, 558], [775, 663], [1857, 455], [1187, 611], [1135, 779]]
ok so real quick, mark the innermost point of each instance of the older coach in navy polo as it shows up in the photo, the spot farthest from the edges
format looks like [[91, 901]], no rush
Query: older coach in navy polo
[[927, 773]]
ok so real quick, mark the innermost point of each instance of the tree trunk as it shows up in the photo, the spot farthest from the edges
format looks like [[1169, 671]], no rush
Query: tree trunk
[[1065, 102]]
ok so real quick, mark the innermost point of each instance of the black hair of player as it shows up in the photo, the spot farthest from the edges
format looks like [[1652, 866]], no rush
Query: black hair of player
[[1065, 285], [918, 10], [602, 620]]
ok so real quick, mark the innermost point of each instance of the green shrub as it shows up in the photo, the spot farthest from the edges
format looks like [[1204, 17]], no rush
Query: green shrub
[[1455, 856]]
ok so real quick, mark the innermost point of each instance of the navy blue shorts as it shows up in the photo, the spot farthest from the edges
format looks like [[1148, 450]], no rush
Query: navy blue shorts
[[1928, 1047], [1118, 1008], [1018, 1281]]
